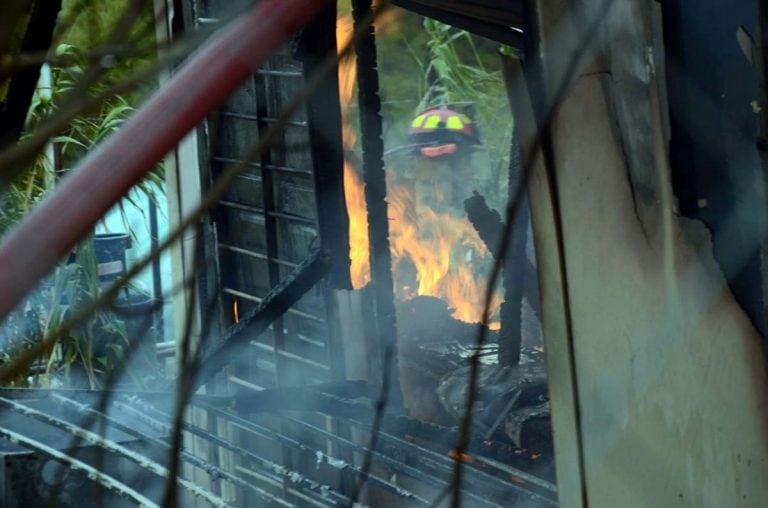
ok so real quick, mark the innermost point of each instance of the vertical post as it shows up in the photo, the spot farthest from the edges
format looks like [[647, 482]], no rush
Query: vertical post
[[316, 44], [761, 64], [375, 185], [267, 104], [157, 283], [530, 89], [510, 335]]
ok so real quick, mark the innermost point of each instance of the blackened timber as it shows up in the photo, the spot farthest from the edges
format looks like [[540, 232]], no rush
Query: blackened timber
[[487, 222], [510, 335], [375, 182], [275, 304], [263, 97], [317, 43], [321, 456], [481, 17], [489, 226]]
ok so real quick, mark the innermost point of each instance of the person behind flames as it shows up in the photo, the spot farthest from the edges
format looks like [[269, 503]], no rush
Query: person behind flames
[[442, 168]]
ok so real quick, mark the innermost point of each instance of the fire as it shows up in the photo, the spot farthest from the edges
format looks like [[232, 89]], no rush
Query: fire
[[441, 247], [236, 311], [360, 269]]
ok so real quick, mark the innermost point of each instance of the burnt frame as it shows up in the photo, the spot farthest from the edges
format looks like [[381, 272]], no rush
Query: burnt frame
[[321, 120]]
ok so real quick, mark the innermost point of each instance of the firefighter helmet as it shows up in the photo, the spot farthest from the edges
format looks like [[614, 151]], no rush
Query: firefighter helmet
[[439, 131]]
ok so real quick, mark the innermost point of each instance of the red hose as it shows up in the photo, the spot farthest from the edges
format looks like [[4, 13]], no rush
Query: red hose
[[51, 230]]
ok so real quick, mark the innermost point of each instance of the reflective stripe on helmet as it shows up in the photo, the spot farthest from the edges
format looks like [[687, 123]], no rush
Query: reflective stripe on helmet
[[433, 121], [454, 123], [418, 121]]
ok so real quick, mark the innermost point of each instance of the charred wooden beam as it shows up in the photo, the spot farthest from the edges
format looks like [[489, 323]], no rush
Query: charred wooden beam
[[482, 17], [489, 226], [255, 322], [375, 184], [322, 457], [317, 44]]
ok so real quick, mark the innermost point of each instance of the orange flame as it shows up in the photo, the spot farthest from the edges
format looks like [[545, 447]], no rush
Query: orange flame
[[360, 270], [442, 247]]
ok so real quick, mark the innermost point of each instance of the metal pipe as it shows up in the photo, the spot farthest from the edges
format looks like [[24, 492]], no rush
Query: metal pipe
[[47, 235], [113, 447], [94, 474]]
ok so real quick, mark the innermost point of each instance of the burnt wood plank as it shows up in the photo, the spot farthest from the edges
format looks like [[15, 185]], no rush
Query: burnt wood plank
[[499, 21]]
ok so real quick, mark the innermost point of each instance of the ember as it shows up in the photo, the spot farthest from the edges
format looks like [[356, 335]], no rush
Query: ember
[[464, 457]]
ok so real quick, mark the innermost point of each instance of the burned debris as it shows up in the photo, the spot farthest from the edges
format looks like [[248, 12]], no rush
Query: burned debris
[[299, 380]]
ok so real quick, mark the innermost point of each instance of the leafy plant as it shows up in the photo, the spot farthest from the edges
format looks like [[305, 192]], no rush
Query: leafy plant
[[458, 69], [75, 282]]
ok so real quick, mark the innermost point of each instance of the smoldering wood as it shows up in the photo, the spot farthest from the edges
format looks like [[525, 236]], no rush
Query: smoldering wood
[[524, 385], [433, 349]]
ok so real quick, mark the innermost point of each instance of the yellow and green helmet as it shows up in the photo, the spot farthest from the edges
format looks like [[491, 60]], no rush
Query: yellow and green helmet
[[442, 119], [440, 131]]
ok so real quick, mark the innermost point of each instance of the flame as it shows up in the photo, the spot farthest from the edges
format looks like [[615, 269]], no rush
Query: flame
[[442, 247], [236, 311], [360, 269]]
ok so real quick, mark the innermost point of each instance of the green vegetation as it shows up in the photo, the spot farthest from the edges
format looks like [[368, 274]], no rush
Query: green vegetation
[[424, 62], [97, 44]]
